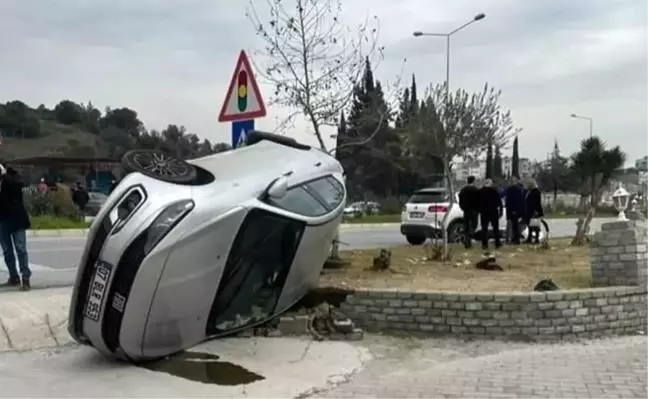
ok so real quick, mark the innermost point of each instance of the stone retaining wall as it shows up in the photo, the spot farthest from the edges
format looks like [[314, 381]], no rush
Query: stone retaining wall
[[536, 316]]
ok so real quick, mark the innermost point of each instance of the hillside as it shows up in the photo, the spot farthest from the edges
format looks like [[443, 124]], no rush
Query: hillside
[[55, 140], [80, 130]]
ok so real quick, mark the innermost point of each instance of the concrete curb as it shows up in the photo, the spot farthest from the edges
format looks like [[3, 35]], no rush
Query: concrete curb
[[35, 319], [57, 233]]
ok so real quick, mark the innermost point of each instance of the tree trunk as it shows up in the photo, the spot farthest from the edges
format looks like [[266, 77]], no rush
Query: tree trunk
[[335, 248], [583, 226], [444, 228], [584, 222]]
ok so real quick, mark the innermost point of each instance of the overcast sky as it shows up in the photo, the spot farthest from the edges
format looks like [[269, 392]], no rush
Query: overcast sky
[[171, 60]]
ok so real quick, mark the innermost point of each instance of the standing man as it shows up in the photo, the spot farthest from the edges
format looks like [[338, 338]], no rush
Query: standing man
[[469, 204], [490, 211], [80, 196], [514, 197], [14, 222]]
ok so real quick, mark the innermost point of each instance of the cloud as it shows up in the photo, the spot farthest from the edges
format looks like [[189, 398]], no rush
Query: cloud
[[171, 60]]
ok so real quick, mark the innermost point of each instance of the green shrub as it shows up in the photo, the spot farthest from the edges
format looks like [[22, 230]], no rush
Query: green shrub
[[391, 205], [52, 203]]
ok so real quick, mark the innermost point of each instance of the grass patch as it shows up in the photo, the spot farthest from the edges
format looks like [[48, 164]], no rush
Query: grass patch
[[379, 218], [523, 266], [54, 223]]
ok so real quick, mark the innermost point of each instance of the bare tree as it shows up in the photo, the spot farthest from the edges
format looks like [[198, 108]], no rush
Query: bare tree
[[456, 126], [311, 58], [314, 61]]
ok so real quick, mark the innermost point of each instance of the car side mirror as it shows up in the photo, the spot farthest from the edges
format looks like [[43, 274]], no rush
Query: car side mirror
[[278, 187]]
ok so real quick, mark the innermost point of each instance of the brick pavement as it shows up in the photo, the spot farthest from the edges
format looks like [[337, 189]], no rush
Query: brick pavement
[[608, 368]]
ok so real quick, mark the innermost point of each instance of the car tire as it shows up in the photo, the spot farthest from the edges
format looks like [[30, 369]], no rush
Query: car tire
[[415, 240], [160, 166], [456, 232]]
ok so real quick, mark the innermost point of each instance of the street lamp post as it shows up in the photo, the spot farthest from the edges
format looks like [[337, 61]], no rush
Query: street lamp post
[[477, 17], [587, 118]]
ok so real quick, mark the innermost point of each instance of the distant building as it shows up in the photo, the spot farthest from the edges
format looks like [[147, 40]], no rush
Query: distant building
[[641, 164], [477, 168]]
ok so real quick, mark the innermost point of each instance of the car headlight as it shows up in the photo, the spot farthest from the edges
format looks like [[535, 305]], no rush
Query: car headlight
[[165, 222]]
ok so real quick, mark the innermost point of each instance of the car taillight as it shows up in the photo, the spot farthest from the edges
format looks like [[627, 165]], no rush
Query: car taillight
[[438, 209]]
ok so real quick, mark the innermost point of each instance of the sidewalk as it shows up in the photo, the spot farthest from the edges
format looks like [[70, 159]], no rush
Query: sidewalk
[[35, 319]]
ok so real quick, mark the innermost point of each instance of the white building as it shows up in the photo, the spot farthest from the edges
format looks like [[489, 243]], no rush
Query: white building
[[477, 168], [642, 164]]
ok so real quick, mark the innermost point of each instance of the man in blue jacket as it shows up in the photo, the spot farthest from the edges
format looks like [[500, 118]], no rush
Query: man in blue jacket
[[514, 196]]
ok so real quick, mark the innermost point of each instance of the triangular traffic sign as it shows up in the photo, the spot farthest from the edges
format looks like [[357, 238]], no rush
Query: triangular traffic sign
[[243, 99]]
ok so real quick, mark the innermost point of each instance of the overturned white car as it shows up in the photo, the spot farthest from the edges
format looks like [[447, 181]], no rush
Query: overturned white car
[[182, 252]]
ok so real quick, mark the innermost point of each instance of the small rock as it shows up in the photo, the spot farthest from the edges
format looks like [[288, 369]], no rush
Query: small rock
[[274, 333], [246, 333], [336, 336], [356, 335]]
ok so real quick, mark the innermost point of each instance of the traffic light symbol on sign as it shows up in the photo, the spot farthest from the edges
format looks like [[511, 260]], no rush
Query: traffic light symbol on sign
[[242, 90]]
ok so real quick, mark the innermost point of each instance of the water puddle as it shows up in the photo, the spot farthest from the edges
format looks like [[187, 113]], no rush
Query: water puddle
[[205, 368]]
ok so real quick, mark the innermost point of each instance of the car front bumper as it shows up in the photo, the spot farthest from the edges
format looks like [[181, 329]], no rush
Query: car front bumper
[[420, 230]]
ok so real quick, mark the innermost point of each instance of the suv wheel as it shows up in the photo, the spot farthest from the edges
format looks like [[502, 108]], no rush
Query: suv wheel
[[456, 232], [415, 240]]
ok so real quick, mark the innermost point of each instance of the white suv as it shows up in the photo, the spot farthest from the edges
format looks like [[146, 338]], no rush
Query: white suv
[[423, 215]]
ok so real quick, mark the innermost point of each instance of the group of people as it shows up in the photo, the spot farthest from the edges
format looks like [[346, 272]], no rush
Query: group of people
[[14, 223], [484, 204]]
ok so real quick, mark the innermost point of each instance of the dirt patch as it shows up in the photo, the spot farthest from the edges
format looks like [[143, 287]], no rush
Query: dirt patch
[[523, 266]]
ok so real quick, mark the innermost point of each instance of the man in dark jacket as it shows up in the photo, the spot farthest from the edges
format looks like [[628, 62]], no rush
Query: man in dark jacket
[[514, 197], [80, 196], [490, 211], [533, 202], [14, 222], [469, 204]]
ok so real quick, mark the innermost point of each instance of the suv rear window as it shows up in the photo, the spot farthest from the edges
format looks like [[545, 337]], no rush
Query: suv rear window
[[428, 197]]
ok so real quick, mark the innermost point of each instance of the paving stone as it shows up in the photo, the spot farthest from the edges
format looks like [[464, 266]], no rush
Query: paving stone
[[608, 368]]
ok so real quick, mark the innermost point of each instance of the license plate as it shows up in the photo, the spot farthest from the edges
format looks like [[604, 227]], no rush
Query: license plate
[[97, 290], [417, 214]]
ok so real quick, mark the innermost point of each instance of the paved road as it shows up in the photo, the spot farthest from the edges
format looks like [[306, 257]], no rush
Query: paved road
[[54, 259], [378, 367]]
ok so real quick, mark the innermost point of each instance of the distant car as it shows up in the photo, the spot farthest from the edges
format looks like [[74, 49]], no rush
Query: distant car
[[95, 203], [186, 251], [360, 207], [423, 215]]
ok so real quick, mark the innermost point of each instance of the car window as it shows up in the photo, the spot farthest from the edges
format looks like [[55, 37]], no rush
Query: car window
[[298, 200], [427, 197], [327, 190]]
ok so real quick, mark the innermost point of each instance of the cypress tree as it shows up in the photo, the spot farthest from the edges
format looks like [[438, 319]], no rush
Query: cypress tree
[[489, 161], [515, 162]]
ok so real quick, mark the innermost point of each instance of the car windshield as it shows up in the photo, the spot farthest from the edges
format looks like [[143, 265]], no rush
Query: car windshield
[[428, 197]]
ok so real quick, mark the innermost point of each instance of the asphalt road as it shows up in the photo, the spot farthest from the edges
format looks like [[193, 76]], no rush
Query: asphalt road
[[54, 260]]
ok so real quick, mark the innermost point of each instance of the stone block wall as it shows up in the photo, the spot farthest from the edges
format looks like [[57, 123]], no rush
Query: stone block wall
[[528, 316], [619, 255]]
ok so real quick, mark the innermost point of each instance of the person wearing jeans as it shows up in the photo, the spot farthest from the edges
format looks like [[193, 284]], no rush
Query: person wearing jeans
[[14, 222]]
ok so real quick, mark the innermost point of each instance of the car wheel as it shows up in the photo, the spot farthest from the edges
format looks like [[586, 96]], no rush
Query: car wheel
[[415, 240], [456, 232], [158, 165]]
